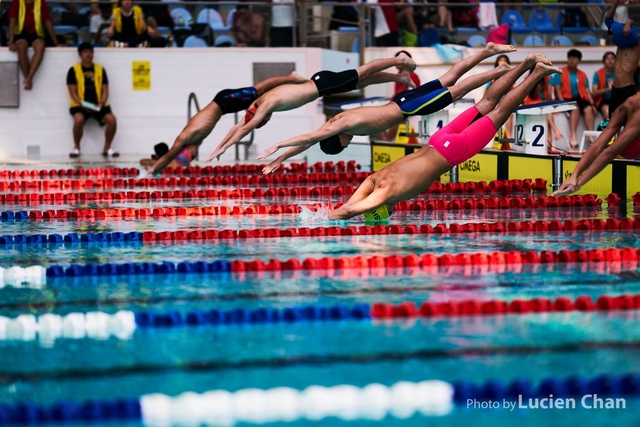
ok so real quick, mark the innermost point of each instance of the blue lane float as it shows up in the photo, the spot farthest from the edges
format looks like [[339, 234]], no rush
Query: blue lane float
[[133, 268], [58, 239]]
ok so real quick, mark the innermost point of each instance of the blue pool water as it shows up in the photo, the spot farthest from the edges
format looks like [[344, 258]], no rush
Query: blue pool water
[[355, 352]]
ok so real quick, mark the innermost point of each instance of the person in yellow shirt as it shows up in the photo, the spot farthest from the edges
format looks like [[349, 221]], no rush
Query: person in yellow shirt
[[89, 90], [27, 21], [128, 27]]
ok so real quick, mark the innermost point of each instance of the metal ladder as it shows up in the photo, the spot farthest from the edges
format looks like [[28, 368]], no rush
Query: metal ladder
[[246, 143]]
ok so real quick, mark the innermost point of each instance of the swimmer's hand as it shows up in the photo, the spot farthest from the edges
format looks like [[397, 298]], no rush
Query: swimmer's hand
[[268, 152], [273, 166], [569, 186], [217, 153]]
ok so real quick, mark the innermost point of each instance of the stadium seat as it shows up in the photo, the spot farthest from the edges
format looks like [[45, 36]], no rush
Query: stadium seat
[[181, 17], [225, 40], [213, 18], [476, 40], [65, 29], [466, 30], [85, 10], [193, 41], [515, 21], [348, 29], [591, 40], [540, 21], [229, 20], [561, 41], [533, 41], [164, 31], [569, 30]]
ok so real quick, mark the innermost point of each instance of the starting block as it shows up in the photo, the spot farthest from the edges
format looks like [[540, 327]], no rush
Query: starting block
[[532, 128], [433, 122]]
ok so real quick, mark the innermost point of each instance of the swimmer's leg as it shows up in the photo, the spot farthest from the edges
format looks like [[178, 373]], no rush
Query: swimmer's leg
[[465, 86], [272, 82], [460, 68]]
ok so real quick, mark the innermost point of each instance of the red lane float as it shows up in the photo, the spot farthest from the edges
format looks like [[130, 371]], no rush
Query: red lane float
[[482, 262], [318, 167], [490, 203], [501, 187], [474, 307]]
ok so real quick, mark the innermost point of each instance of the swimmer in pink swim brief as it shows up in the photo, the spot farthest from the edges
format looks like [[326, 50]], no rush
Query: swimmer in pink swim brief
[[455, 143]]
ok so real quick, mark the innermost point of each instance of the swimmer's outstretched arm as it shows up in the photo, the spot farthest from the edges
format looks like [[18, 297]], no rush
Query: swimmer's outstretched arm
[[374, 200], [600, 154], [330, 128], [286, 155], [240, 130]]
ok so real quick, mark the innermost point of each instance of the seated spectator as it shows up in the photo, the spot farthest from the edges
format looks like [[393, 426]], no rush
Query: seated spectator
[[573, 85], [464, 16], [282, 24], [27, 20], [603, 84], [432, 16], [128, 28], [100, 24], [343, 16], [88, 86], [385, 30], [541, 92], [248, 27], [390, 134]]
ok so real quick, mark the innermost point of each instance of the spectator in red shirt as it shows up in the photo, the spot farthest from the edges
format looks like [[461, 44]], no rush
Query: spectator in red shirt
[[27, 20], [390, 134]]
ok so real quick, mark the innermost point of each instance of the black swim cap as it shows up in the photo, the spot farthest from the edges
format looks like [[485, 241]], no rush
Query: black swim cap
[[160, 149], [331, 145]]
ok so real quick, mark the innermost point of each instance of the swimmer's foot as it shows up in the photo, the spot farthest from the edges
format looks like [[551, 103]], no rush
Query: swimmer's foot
[[405, 79], [495, 48], [546, 69], [407, 62], [27, 84], [297, 78], [505, 68]]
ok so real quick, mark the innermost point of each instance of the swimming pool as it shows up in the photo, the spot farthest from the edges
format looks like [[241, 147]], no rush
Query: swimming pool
[[263, 327]]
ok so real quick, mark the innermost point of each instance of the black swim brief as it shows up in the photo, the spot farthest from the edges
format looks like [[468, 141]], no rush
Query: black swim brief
[[619, 95], [329, 83], [423, 100], [234, 100]]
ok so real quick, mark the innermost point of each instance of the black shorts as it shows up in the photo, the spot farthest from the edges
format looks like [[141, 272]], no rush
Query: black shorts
[[582, 103], [619, 95], [423, 100], [98, 115], [30, 38], [234, 100], [329, 83], [603, 103]]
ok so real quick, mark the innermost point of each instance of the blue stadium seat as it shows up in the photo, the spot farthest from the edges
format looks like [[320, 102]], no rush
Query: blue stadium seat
[[85, 10], [213, 18], [515, 21], [570, 30], [466, 30], [533, 41], [561, 41], [181, 17], [592, 40], [193, 41], [224, 39], [229, 19], [540, 21], [65, 29], [477, 40]]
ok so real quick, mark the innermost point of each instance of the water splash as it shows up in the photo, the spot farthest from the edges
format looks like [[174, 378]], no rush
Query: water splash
[[307, 215]]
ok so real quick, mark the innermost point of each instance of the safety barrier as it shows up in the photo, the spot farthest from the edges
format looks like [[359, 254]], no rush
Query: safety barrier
[[424, 261], [73, 325], [266, 233], [373, 402], [529, 202]]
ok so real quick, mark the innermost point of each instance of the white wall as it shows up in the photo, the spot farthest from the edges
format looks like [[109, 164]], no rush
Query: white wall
[[148, 117]]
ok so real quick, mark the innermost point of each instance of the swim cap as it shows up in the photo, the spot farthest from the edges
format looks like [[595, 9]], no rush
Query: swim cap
[[378, 214], [331, 145], [252, 112], [160, 150]]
